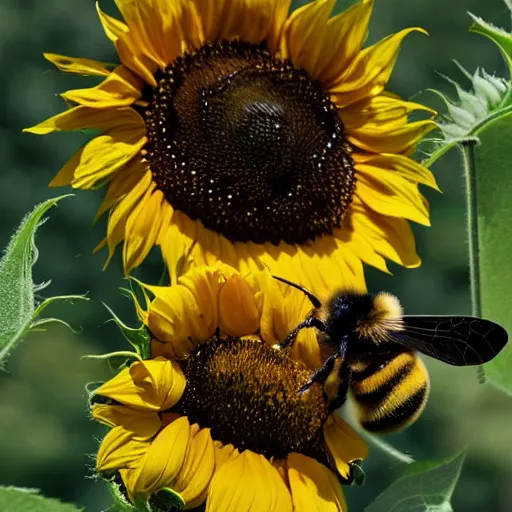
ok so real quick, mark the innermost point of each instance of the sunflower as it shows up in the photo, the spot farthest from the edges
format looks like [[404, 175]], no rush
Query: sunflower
[[222, 421], [235, 131]]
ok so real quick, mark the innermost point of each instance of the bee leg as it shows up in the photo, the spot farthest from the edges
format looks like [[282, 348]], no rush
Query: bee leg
[[310, 321], [320, 375], [341, 396]]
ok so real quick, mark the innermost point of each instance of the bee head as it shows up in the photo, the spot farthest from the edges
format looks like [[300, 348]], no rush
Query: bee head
[[371, 317]]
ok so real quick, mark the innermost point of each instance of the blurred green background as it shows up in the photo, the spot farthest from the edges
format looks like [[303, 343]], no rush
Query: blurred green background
[[47, 439]]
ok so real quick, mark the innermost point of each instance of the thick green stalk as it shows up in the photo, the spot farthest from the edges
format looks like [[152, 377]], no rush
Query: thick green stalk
[[468, 152]]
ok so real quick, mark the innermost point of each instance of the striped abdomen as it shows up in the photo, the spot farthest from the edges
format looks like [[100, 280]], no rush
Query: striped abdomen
[[390, 390]]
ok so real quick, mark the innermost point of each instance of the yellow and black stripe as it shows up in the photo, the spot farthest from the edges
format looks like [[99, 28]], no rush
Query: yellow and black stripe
[[390, 389]]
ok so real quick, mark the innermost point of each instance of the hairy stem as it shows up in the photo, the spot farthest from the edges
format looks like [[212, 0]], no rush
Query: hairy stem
[[468, 152]]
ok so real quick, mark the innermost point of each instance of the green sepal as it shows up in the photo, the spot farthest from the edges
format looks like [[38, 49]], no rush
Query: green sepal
[[19, 313], [121, 504], [424, 487], [166, 500], [471, 136], [491, 92], [118, 360], [138, 337], [19, 499]]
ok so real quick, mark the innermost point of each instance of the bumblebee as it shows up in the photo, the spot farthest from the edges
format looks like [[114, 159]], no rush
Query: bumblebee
[[371, 352]]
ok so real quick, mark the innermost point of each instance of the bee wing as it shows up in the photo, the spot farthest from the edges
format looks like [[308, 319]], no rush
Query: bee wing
[[456, 340]]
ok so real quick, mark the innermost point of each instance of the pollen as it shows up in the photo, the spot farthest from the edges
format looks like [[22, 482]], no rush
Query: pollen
[[249, 145], [247, 393]]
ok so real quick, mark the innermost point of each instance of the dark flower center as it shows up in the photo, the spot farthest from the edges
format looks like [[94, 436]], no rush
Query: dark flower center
[[247, 393], [249, 145]]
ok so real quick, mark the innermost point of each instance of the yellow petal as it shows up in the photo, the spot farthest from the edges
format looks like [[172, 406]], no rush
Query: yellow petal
[[163, 460], [322, 266], [343, 443], [121, 88], [370, 70], [224, 453], [129, 439], [392, 195], [341, 41], [313, 486], [350, 240], [379, 114], [198, 466], [390, 236], [161, 29], [119, 450], [121, 184], [299, 41], [142, 228], [187, 313], [282, 308], [119, 215], [154, 384], [401, 139], [238, 314], [400, 164], [81, 118], [176, 244], [249, 20], [281, 10], [128, 48], [100, 158], [86, 67], [248, 483]]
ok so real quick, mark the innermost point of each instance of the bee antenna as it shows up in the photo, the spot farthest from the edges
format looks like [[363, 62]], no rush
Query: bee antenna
[[313, 299]]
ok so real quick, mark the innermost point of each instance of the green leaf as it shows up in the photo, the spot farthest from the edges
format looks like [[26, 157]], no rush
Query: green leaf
[[15, 499], [18, 311], [492, 184], [499, 36], [425, 487]]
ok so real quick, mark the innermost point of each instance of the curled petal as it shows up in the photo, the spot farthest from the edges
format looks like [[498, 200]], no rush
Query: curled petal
[[238, 314], [187, 313], [163, 460], [128, 440], [155, 384]]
